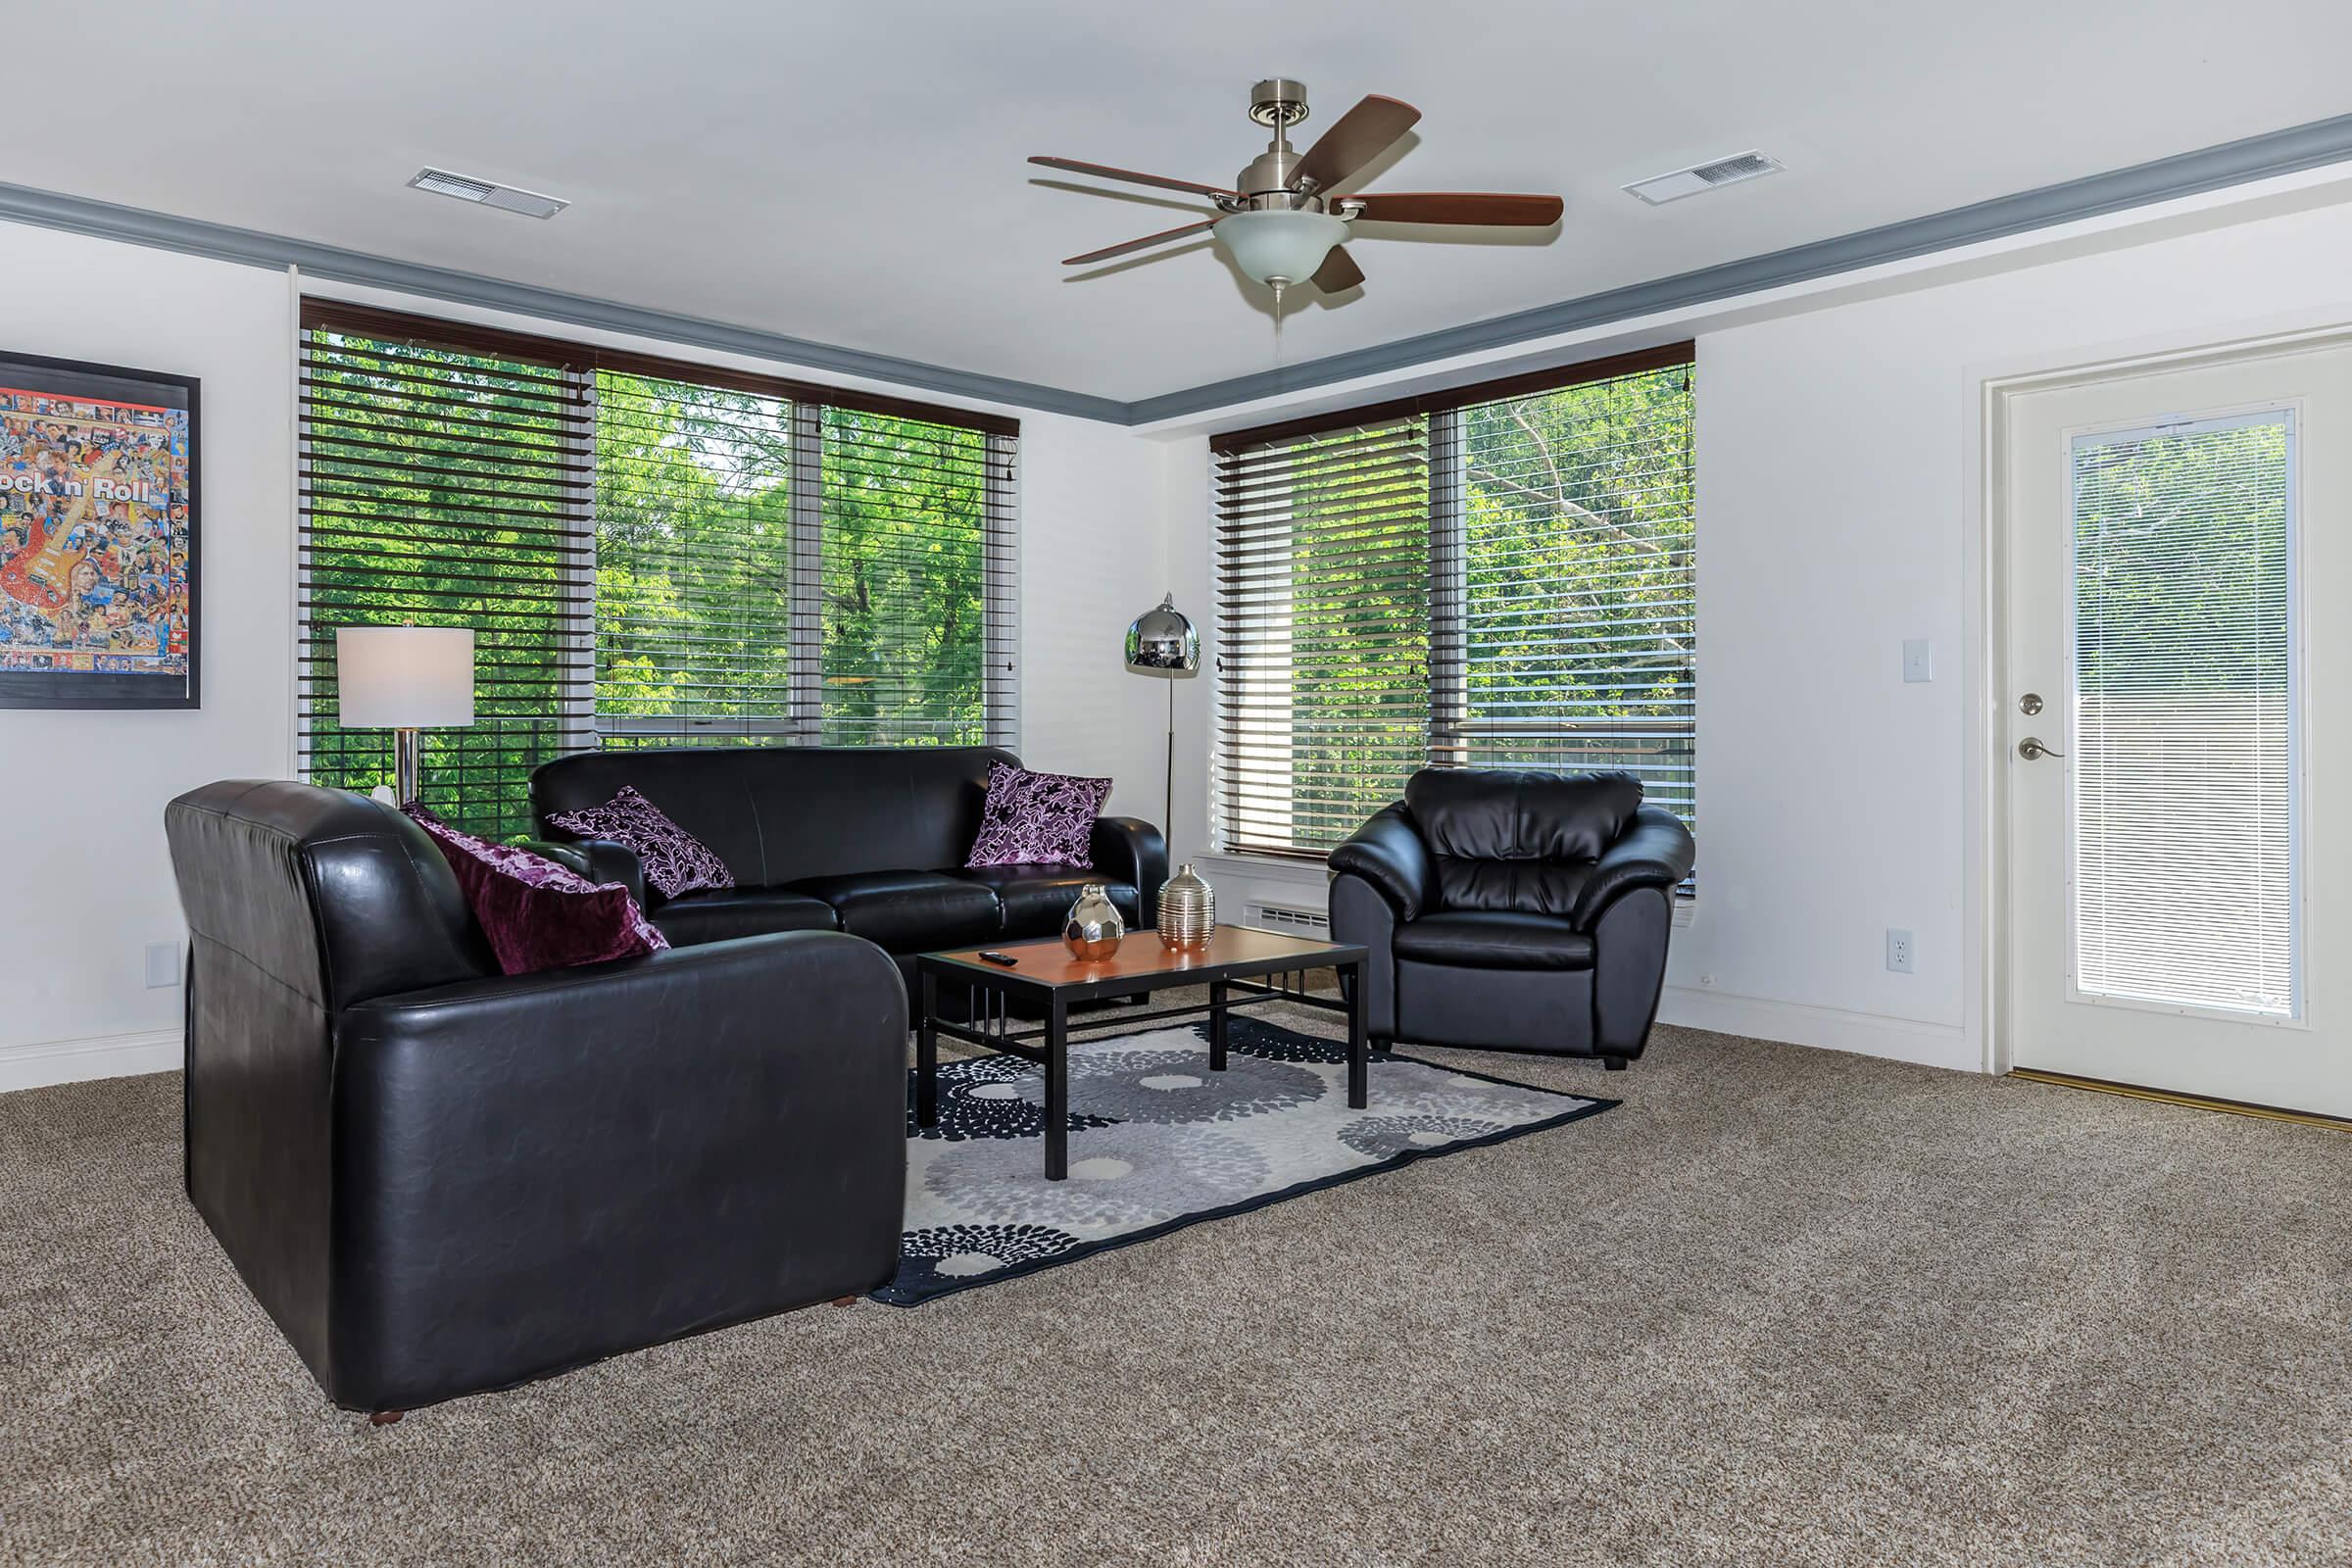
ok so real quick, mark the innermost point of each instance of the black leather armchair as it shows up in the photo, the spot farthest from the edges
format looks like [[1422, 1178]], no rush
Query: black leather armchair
[[1522, 911], [439, 1179]]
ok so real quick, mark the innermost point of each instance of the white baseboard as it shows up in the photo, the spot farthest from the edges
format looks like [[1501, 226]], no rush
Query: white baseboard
[[65, 1061], [1868, 1034]]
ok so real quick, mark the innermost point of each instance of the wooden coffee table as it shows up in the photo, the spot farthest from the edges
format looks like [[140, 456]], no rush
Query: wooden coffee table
[[1239, 965]]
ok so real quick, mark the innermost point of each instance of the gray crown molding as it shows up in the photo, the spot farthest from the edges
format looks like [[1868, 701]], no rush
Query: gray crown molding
[[2274, 153], [220, 242], [2236, 163]]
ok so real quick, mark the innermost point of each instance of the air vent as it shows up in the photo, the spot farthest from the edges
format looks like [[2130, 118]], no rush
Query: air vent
[[1691, 181], [506, 198], [1279, 917]]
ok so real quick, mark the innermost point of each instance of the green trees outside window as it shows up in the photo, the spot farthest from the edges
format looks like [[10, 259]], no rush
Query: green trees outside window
[[1505, 583], [645, 559]]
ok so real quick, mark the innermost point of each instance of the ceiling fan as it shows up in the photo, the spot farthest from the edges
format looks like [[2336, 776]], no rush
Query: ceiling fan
[[1285, 219]]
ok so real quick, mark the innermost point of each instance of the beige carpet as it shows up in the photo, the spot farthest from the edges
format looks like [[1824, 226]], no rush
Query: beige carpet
[[1785, 1306]]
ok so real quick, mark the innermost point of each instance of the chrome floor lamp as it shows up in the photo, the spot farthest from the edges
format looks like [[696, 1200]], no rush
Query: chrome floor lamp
[[1164, 645]]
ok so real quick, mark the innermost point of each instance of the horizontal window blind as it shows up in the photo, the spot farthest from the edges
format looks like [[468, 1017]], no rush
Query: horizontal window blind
[[1578, 649], [1323, 631], [447, 487], [2184, 809], [650, 553], [1502, 577], [696, 564], [918, 584]]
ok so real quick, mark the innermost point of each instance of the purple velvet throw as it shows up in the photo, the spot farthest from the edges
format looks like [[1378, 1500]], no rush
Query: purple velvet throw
[[536, 913]]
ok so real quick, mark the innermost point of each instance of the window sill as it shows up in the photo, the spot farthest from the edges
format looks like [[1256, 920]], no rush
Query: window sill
[[1271, 868]]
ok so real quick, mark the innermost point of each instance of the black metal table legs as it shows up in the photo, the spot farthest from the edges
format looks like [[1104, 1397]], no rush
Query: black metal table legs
[[1057, 1089], [1220, 1025], [1359, 1057], [1050, 1046], [927, 1057]]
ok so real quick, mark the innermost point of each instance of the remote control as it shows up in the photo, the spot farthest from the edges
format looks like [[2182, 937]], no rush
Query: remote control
[[1001, 960]]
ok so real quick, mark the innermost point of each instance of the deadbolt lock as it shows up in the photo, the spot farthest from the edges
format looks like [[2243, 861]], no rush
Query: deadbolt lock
[[2029, 703]]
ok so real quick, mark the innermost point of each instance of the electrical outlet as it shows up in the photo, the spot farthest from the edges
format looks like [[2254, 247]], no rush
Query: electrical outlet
[[1898, 950], [163, 964]]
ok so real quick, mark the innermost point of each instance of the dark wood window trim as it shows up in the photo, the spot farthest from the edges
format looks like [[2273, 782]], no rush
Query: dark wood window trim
[[564, 353], [1495, 390]]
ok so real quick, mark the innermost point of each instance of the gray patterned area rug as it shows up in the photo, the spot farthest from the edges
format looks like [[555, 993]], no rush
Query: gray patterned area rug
[[1158, 1142]]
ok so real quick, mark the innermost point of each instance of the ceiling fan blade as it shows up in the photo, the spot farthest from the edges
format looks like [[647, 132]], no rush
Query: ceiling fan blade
[[1147, 241], [1339, 271], [1106, 171], [1486, 208], [1354, 139]]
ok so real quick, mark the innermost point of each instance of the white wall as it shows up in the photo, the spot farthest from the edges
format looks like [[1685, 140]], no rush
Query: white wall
[[82, 794], [1094, 556], [1833, 453], [85, 881]]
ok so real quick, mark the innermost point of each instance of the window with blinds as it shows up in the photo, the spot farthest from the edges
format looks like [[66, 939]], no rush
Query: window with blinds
[[2184, 816], [1496, 577], [650, 553], [697, 569], [1323, 626], [444, 486]]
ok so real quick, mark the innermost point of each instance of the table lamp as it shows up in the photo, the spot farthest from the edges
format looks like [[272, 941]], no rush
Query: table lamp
[[405, 680]]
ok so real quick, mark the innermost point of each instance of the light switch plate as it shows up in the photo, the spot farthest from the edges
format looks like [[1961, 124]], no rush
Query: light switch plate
[[1919, 661], [163, 964]]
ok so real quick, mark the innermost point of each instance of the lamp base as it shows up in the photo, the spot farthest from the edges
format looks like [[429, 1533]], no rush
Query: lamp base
[[407, 767]]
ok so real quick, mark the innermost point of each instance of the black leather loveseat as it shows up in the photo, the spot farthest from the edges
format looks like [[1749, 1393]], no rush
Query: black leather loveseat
[[439, 1179], [870, 841], [1517, 910]]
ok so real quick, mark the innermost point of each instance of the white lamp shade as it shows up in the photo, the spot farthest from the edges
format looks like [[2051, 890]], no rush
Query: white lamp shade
[[1279, 244], [405, 677]]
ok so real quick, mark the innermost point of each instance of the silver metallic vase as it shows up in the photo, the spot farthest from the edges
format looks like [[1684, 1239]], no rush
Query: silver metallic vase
[[1094, 928], [1188, 909]]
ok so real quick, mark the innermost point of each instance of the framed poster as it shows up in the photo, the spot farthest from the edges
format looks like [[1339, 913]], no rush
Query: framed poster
[[98, 536]]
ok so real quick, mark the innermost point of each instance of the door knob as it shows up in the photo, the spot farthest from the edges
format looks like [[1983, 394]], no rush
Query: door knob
[[2032, 749]]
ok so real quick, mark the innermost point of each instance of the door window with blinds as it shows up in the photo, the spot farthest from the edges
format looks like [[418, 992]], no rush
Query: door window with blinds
[[1500, 577], [648, 553], [2184, 809]]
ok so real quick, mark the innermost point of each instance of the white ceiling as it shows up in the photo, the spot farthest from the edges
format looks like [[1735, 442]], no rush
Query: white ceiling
[[853, 174]]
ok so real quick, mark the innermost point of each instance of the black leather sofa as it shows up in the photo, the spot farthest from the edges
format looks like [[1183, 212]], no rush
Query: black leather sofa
[[867, 839], [1513, 910], [438, 1179]]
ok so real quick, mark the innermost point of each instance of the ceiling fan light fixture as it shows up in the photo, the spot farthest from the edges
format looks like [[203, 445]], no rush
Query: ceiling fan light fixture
[[1278, 246]]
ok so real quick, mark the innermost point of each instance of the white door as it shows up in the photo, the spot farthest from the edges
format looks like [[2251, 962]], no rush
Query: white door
[[2180, 550]]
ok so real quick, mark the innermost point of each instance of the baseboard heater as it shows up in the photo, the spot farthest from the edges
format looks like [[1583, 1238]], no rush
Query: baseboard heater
[[1284, 917]]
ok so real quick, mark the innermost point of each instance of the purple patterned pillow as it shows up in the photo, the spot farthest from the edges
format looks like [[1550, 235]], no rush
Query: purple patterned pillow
[[1033, 818], [675, 860], [536, 913]]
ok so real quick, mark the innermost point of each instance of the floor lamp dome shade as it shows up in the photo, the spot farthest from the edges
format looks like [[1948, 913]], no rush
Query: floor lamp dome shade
[[404, 679], [1163, 642]]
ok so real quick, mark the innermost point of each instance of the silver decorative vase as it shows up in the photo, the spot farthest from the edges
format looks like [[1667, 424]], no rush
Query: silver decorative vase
[[1094, 927], [1188, 909]]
